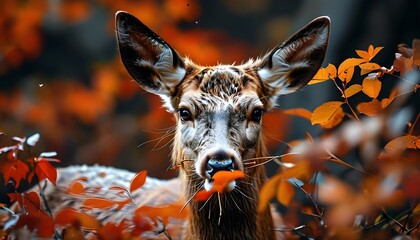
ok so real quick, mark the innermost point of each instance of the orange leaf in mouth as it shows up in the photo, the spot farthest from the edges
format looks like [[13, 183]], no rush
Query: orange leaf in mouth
[[220, 181]]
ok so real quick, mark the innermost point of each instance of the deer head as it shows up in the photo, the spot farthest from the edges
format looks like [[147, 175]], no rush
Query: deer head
[[219, 109]]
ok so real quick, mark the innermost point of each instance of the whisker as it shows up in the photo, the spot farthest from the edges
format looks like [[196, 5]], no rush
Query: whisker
[[236, 204], [220, 208], [155, 148], [245, 182], [205, 203], [262, 163], [159, 130], [259, 158], [243, 194], [159, 139], [190, 199]]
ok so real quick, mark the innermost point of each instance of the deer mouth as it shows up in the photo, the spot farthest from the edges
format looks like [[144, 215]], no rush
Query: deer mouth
[[220, 160]]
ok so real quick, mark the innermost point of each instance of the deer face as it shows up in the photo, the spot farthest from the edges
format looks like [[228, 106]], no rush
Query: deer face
[[219, 109], [219, 119]]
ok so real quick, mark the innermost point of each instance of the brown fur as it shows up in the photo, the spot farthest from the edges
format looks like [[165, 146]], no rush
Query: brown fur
[[220, 102]]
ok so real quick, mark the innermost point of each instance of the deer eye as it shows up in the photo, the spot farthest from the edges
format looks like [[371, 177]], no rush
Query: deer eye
[[256, 115], [185, 115]]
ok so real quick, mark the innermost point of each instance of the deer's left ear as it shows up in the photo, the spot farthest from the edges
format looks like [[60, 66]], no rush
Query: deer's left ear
[[291, 65], [152, 62]]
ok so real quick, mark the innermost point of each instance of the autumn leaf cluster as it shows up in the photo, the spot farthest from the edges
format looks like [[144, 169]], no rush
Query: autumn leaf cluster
[[384, 201], [31, 216]]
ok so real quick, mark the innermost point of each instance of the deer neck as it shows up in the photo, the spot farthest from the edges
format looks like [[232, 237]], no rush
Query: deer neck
[[234, 216]]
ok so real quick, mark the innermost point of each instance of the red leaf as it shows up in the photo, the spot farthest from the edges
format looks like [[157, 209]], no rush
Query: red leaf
[[141, 224], [16, 170], [101, 203], [138, 180], [32, 201], [39, 221], [28, 201], [44, 169]]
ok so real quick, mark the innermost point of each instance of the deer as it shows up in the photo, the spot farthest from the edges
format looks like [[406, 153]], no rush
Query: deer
[[219, 112]]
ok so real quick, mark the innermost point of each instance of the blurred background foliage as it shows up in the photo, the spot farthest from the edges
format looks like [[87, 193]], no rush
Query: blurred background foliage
[[60, 74]]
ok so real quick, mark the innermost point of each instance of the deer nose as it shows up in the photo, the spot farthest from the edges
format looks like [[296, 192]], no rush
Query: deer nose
[[218, 162]]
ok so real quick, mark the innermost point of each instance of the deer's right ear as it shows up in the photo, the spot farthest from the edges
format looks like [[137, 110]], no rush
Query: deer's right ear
[[154, 64]]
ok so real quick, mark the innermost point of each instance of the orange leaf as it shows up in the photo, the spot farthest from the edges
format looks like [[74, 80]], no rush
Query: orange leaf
[[402, 64], [110, 231], [324, 74], [72, 233], [274, 123], [415, 144], [138, 180], [332, 190], [371, 86], [369, 54], [74, 10], [347, 75], [332, 71], [222, 178], [363, 54], [348, 64], [320, 76], [70, 216], [173, 210], [301, 170], [203, 195], [370, 108], [373, 51], [285, 192], [76, 187], [399, 144], [335, 119], [386, 101], [300, 112], [267, 192], [98, 203], [324, 112], [416, 52], [44, 169], [352, 90], [368, 67]]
